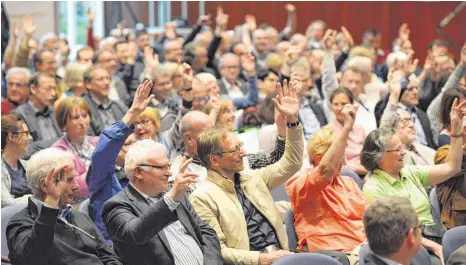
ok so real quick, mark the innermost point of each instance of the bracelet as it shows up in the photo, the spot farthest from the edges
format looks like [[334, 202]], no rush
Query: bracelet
[[456, 135], [292, 124]]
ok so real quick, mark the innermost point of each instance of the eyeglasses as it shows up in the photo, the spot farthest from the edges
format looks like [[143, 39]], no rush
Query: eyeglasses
[[197, 99], [12, 84], [398, 150], [21, 133], [233, 67], [235, 151], [167, 167], [407, 121], [143, 123]]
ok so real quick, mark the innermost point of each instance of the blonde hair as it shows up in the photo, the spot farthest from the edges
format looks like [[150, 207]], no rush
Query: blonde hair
[[273, 60], [172, 68], [320, 142], [361, 51], [151, 114], [224, 105], [63, 111], [74, 75]]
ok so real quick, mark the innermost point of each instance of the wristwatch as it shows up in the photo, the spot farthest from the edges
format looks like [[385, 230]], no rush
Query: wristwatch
[[292, 125]]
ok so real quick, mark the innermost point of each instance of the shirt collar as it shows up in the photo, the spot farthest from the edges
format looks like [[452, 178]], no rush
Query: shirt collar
[[408, 109], [37, 112], [387, 260], [100, 104], [147, 197], [385, 176]]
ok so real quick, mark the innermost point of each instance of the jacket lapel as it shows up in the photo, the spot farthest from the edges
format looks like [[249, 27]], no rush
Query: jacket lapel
[[142, 205], [31, 121], [184, 219]]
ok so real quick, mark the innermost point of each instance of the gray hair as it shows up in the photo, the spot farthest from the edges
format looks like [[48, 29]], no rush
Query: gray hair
[[390, 121], [364, 64], [42, 163], [374, 147], [19, 70], [138, 154], [225, 56], [396, 57], [106, 41], [45, 37], [387, 222], [187, 121], [209, 143]]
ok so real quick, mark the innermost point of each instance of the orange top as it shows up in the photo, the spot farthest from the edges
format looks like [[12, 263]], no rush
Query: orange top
[[327, 216]]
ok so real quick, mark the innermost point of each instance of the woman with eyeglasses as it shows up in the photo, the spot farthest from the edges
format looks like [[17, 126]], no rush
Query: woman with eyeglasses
[[383, 155], [222, 112], [446, 104], [147, 126], [15, 141], [73, 117]]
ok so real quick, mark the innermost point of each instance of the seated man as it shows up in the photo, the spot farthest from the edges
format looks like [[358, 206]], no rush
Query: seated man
[[17, 89], [150, 226], [104, 111], [48, 230], [328, 207], [239, 206], [393, 231]]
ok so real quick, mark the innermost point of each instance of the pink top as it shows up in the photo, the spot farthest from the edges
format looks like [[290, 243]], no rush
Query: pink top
[[355, 142]]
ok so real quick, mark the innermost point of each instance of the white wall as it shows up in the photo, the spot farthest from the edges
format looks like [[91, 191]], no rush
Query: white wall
[[43, 13]]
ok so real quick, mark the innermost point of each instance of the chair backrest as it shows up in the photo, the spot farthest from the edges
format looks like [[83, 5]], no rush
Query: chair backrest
[[84, 207], [452, 240], [436, 209], [290, 231], [306, 259], [7, 213]]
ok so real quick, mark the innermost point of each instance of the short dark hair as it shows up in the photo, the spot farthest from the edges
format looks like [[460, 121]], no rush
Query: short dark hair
[[387, 222], [118, 43], [437, 42], [88, 73], [375, 147], [264, 73], [11, 123], [85, 48], [37, 75], [141, 32], [342, 90], [37, 58], [446, 104]]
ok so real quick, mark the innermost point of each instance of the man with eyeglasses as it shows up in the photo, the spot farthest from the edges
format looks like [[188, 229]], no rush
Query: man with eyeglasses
[[238, 204], [104, 111], [393, 231], [38, 113], [144, 221], [17, 92], [230, 84]]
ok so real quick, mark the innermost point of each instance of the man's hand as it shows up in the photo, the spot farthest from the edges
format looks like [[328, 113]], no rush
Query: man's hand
[[169, 30], [349, 111], [292, 55], [221, 21], [463, 55], [187, 74], [290, 8], [269, 258], [411, 64], [90, 16], [394, 86], [457, 113], [287, 101], [403, 32], [205, 20], [142, 97], [349, 39], [248, 63], [295, 81], [28, 25], [329, 39], [54, 186], [250, 20], [280, 122], [182, 180]]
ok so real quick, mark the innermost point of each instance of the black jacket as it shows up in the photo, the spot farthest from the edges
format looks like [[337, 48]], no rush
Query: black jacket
[[97, 124], [36, 236], [135, 228], [27, 113]]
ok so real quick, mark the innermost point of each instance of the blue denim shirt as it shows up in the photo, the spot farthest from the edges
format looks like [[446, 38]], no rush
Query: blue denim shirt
[[103, 183]]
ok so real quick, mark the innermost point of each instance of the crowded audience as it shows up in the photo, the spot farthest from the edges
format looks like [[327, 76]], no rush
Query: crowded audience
[[171, 149]]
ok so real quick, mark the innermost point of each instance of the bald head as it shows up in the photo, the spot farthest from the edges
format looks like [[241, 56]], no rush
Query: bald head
[[191, 126]]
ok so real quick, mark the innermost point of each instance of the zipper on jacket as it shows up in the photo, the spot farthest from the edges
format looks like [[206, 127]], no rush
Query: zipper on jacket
[[75, 227]]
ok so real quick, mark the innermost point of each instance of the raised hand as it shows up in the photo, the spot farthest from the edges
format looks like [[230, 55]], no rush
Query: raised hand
[[90, 16], [205, 20], [292, 55], [54, 186], [411, 64], [348, 37], [15, 30], [250, 20], [187, 73], [463, 55], [248, 63], [349, 111], [287, 101], [221, 20], [394, 85], [182, 180], [169, 30], [295, 81], [290, 8], [28, 25], [142, 97], [329, 39], [403, 32], [428, 64], [457, 113]]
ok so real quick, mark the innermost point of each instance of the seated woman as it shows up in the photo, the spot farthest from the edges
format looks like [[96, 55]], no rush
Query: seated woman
[[222, 112], [328, 207], [383, 155], [15, 140], [447, 101], [338, 99], [147, 126], [73, 82], [73, 118], [452, 193]]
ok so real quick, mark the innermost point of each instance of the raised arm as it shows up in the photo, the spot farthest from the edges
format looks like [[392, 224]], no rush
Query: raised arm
[[442, 172], [21, 58], [10, 48], [252, 97], [204, 20], [329, 78], [291, 22]]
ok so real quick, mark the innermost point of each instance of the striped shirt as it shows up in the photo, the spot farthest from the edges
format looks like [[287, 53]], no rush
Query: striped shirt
[[183, 247]]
